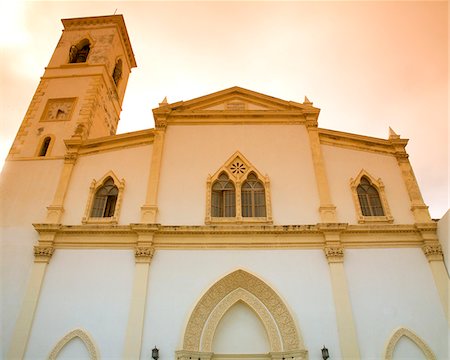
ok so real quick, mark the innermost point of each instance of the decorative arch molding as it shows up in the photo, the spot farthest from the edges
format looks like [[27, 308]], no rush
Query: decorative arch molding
[[378, 184], [261, 298], [84, 336], [398, 334]]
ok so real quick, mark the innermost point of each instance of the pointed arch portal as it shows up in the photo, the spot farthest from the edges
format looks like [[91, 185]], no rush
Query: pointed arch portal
[[398, 334], [83, 336], [241, 286]]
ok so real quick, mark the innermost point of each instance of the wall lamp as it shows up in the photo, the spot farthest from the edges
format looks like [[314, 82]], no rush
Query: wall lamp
[[155, 353], [325, 354]]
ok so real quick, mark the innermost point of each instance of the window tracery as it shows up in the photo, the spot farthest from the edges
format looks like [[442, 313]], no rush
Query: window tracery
[[105, 199], [370, 199], [237, 193]]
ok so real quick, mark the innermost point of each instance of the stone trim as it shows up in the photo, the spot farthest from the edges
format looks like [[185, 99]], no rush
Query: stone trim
[[144, 254], [84, 336], [395, 337], [290, 337], [433, 252], [43, 253], [334, 254]]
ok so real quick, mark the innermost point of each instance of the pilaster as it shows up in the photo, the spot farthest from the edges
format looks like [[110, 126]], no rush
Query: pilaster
[[42, 255], [432, 249], [149, 211], [334, 252], [327, 209], [418, 207], [144, 252]]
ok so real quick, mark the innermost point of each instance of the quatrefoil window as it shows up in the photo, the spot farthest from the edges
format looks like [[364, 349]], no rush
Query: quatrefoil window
[[238, 167]]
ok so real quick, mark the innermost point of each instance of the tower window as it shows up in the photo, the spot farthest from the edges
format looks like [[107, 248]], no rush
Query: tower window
[[105, 199], [79, 53], [253, 197], [223, 197], [117, 73], [369, 199], [44, 147]]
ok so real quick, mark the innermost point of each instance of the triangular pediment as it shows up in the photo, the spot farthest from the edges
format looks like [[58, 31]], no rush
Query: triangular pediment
[[236, 99]]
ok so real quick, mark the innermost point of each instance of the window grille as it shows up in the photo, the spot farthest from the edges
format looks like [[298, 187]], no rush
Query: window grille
[[369, 198], [105, 200], [253, 197], [223, 197]]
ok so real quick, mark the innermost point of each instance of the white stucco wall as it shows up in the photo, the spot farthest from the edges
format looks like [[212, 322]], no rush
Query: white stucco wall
[[344, 164], [392, 288], [88, 289], [131, 164], [178, 279], [280, 151], [27, 188]]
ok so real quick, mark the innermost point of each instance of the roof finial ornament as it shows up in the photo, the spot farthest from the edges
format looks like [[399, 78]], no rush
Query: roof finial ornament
[[164, 102], [392, 134], [307, 102]]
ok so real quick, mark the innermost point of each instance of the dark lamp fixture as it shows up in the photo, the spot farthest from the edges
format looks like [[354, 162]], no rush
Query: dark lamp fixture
[[325, 354], [155, 353]]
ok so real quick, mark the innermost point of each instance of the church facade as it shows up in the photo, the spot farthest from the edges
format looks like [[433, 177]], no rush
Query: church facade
[[235, 229]]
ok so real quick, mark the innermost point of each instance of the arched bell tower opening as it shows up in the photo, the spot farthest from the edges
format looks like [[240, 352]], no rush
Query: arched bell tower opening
[[235, 289]]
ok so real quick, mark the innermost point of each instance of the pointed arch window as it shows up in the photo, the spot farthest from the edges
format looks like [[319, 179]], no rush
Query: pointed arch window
[[79, 53], [104, 201], [370, 199], [253, 198], [44, 146], [238, 193], [117, 72], [223, 197]]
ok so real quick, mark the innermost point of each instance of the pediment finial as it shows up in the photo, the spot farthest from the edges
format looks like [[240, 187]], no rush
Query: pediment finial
[[392, 134], [164, 102], [307, 102]]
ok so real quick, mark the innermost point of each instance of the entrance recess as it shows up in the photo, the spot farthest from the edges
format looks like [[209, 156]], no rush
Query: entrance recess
[[240, 286]]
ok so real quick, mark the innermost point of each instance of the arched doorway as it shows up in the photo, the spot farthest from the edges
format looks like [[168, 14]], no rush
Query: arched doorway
[[241, 287]]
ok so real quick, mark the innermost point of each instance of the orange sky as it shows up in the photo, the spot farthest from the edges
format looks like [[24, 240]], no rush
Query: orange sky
[[367, 65]]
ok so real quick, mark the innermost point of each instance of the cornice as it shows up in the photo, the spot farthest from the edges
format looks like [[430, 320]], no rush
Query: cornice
[[357, 142], [232, 236], [115, 142]]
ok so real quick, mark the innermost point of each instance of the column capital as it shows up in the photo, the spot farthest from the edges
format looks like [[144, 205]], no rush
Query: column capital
[[334, 253], [433, 252], [144, 254], [43, 254]]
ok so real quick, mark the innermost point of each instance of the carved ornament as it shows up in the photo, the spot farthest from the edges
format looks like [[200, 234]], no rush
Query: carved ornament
[[433, 252], [394, 339], [334, 254], [144, 253], [43, 253], [83, 336]]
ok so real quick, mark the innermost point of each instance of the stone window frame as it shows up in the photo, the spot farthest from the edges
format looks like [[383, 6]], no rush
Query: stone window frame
[[238, 176], [41, 144], [76, 45], [379, 186], [95, 185]]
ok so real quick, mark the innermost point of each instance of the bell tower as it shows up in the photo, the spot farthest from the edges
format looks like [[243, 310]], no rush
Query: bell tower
[[81, 92]]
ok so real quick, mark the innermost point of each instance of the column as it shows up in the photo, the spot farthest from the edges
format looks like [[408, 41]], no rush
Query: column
[[144, 252], [348, 340], [327, 209], [22, 330]]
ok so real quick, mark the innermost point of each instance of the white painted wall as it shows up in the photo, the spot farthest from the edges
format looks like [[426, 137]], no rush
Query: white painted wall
[[392, 288], [178, 279], [131, 164], [26, 189], [407, 350], [88, 289], [240, 332], [280, 151], [343, 164]]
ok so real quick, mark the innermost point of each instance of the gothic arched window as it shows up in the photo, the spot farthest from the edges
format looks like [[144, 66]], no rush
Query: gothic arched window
[[117, 72], [369, 198], [79, 53], [44, 147], [105, 199], [223, 197], [253, 197]]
